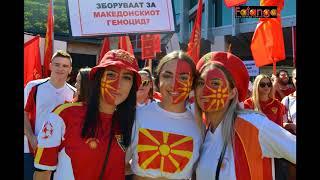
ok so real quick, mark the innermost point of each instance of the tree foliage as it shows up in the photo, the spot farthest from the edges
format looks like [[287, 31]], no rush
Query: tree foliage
[[36, 13]]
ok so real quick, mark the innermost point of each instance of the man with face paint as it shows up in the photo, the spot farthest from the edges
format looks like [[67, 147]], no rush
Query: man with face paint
[[88, 140], [166, 137], [236, 140]]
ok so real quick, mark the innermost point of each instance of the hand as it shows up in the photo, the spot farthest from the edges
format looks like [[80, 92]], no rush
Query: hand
[[290, 127], [34, 142]]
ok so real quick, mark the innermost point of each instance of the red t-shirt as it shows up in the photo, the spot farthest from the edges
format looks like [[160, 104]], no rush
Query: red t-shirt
[[272, 108], [285, 92], [86, 155]]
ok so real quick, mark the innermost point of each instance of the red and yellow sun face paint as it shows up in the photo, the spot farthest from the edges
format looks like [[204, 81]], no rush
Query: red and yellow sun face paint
[[182, 81], [215, 90], [165, 151], [109, 84]]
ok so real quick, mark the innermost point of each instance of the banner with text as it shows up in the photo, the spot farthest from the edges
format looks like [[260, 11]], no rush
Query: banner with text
[[96, 17], [253, 70]]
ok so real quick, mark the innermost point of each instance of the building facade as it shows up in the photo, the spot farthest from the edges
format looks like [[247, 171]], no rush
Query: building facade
[[220, 28]]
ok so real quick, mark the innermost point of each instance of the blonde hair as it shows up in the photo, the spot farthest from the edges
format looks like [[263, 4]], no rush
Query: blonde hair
[[255, 91]]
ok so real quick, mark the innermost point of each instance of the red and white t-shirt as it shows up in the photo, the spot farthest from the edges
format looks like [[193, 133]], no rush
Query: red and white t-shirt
[[61, 148], [40, 98]]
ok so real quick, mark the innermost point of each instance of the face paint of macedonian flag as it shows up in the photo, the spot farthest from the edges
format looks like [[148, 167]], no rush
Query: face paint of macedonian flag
[[182, 81], [215, 90], [109, 84]]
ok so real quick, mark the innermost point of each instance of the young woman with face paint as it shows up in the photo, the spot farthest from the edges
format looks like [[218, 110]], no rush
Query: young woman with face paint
[[88, 140], [166, 137], [236, 140]]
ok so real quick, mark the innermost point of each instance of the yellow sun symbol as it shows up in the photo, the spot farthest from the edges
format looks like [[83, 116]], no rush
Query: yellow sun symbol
[[162, 150], [105, 86], [185, 89], [218, 97]]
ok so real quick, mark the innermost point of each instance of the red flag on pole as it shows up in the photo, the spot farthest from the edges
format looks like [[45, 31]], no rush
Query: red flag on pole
[[125, 44], [267, 44], [157, 42], [32, 60], [48, 48], [147, 47], [231, 3], [104, 49], [194, 43]]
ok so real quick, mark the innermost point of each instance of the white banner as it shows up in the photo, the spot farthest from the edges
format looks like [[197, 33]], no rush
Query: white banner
[[253, 70], [96, 17]]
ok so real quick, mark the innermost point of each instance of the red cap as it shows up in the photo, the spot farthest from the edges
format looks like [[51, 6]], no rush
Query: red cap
[[233, 65], [119, 58]]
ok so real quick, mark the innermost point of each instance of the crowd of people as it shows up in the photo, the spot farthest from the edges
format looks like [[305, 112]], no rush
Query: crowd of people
[[184, 121]]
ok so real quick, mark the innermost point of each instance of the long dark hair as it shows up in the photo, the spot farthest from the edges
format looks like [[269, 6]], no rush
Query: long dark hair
[[85, 84], [124, 113]]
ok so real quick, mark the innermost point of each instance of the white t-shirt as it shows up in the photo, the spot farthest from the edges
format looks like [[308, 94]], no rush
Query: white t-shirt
[[48, 97], [275, 142], [164, 144], [290, 103]]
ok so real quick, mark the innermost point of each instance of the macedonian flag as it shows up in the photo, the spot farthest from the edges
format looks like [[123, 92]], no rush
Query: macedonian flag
[[162, 150]]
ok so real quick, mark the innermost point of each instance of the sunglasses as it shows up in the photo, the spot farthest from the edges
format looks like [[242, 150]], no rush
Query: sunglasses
[[145, 83], [262, 84]]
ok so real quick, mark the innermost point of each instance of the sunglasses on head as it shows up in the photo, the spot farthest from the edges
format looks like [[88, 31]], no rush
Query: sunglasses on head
[[145, 83], [262, 84]]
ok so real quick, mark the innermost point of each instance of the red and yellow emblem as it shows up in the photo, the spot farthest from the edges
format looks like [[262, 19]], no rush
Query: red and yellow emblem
[[107, 86], [165, 151], [215, 90], [274, 110], [182, 81], [92, 143]]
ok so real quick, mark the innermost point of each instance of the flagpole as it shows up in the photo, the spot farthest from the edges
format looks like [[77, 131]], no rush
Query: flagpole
[[274, 67], [52, 9]]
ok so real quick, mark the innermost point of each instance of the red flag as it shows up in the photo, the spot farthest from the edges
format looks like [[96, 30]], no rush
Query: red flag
[[231, 3], [194, 43], [267, 44], [157, 42], [125, 44], [147, 46], [104, 49], [32, 64], [48, 48], [279, 3]]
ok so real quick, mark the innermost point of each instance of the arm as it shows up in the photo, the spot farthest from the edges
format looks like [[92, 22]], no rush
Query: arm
[[42, 175], [129, 152], [277, 142], [29, 104], [49, 141], [29, 133]]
